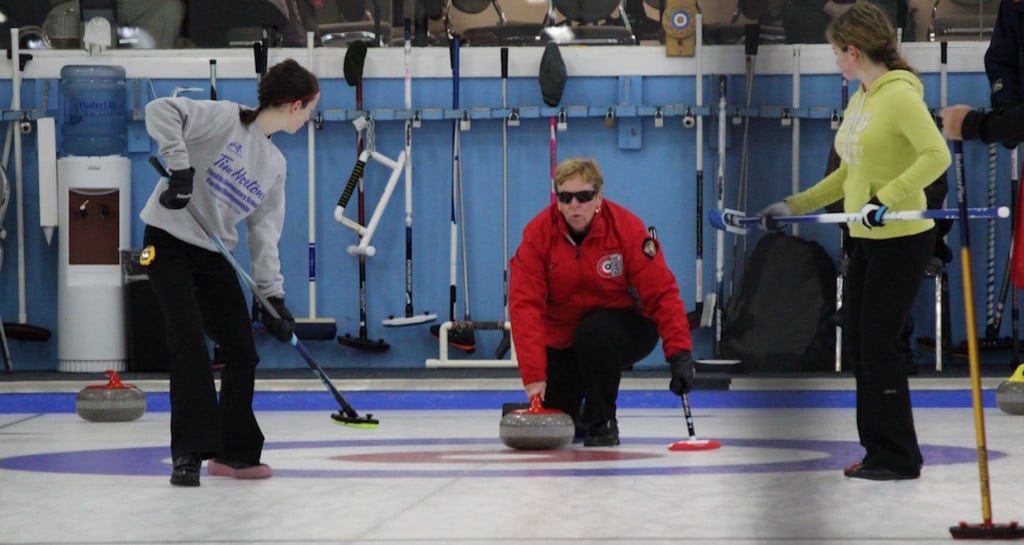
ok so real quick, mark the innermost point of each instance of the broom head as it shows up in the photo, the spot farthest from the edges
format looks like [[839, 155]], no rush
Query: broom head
[[694, 444]]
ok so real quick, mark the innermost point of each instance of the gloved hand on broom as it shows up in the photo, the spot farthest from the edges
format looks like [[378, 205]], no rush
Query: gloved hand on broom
[[179, 189], [283, 327], [873, 214], [769, 213], [681, 365]]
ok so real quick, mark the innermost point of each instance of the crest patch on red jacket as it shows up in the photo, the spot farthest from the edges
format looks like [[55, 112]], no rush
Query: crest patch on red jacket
[[650, 247], [610, 266]]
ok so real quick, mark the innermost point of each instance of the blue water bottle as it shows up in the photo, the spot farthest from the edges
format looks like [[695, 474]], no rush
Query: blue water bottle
[[94, 119]]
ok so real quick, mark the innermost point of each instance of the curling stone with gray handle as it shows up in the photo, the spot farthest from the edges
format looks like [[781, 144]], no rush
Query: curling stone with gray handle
[[114, 401], [536, 428]]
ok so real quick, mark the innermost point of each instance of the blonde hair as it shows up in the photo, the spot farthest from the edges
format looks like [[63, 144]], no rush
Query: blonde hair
[[867, 28], [587, 168]]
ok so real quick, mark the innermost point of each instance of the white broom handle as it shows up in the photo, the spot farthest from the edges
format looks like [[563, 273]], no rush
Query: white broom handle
[[699, 85], [18, 178], [408, 124], [311, 169], [795, 179]]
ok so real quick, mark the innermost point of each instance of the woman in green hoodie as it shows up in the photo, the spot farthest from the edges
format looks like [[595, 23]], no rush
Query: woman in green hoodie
[[891, 150]]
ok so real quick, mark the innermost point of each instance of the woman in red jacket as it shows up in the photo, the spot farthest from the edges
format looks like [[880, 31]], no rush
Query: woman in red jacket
[[589, 296]]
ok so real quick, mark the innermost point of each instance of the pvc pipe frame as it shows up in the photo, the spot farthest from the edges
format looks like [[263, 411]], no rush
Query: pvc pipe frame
[[442, 346], [366, 232]]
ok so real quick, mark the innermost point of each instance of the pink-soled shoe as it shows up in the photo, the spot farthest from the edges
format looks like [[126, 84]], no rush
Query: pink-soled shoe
[[237, 470]]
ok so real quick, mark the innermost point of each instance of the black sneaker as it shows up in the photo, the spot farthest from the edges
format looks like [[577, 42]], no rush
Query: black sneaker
[[186, 470], [605, 434]]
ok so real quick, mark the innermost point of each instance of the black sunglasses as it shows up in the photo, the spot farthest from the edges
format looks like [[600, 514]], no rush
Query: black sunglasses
[[565, 197]]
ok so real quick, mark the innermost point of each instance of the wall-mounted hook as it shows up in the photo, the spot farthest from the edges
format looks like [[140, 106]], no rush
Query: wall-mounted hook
[[464, 123], [25, 125], [23, 58], [659, 118], [835, 120], [737, 119], [563, 121], [417, 120], [361, 122], [513, 118], [318, 121], [688, 119], [787, 120], [609, 118], [177, 91]]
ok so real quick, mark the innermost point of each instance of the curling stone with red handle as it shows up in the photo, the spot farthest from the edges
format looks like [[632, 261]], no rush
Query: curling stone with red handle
[[114, 401], [536, 428]]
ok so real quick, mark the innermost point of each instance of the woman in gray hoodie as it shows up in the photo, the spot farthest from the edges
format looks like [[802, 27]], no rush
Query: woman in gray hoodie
[[224, 165]]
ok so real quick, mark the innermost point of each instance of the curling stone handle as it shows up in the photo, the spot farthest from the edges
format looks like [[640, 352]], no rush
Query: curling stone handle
[[113, 384], [536, 405]]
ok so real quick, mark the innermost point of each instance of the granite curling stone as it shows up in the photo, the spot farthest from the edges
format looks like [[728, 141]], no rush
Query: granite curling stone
[[536, 428], [1010, 394], [114, 401]]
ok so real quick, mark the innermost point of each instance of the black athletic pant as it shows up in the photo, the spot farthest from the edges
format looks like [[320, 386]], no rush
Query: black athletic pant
[[200, 296], [605, 342], [881, 285]]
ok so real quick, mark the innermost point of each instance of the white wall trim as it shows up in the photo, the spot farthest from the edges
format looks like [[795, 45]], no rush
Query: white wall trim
[[482, 62]]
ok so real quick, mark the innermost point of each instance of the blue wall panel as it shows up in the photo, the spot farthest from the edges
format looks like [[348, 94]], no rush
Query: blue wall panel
[[656, 181]]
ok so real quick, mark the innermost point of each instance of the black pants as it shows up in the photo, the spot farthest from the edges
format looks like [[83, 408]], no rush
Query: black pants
[[200, 296], [881, 285], [605, 342]]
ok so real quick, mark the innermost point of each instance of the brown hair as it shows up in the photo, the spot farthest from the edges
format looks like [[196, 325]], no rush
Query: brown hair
[[587, 168], [285, 82], [867, 28]]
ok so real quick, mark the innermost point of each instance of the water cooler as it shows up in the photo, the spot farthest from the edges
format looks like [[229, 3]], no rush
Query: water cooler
[[94, 219]]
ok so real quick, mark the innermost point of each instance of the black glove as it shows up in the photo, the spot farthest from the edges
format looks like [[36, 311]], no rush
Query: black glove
[[681, 364], [282, 327], [873, 213], [179, 189]]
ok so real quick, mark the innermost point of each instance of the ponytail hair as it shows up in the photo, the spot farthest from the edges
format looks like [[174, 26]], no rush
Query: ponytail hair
[[284, 83], [867, 28]]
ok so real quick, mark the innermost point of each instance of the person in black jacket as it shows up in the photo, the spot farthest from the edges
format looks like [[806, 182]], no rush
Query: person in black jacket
[[1004, 67], [1004, 59], [1002, 124]]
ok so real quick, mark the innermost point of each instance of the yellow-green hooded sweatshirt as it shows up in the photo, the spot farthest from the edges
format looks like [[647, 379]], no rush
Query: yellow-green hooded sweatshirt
[[890, 149]]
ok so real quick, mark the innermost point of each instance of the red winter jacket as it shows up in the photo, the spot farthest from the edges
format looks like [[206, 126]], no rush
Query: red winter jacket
[[553, 283]]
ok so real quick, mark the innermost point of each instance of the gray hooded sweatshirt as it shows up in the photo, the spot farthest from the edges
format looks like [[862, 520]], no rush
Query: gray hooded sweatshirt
[[239, 175]]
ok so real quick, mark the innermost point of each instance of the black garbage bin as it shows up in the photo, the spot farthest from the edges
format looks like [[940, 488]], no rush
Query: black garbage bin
[[144, 320]]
